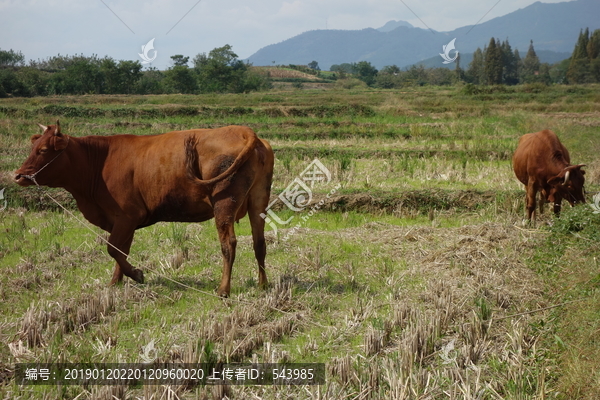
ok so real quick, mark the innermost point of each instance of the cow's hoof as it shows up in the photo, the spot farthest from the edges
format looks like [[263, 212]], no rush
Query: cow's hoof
[[223, 293], [138, 275], [263, 285]]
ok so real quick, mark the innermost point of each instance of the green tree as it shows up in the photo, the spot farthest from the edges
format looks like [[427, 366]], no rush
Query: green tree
[[180, 79], [510, 68], [220, 71], [493, 63], [531, 65], [179, 60], [35, 81], [77, 75], [390, 70], [593, 46], [416, 75], [10, 84], [366, 72], [593, 50], [476, 73], [459, 73], [314, 65], [584, 66], [11, 58], [519, 64], [440, 76], [579, 67], [150, 82]]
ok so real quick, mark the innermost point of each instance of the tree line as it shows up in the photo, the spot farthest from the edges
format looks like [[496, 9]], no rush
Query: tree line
[[221, 71], [496, 64], [218, 71]]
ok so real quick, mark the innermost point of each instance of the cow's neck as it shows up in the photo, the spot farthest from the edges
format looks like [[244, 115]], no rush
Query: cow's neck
[[86, 158]]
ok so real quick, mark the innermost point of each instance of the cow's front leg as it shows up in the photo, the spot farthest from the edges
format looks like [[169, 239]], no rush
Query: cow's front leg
[[119, 244], [557, 205], [542, 201], [228, 246]]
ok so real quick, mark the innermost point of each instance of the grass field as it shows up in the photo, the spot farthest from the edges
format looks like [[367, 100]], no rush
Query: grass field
[[414, 280]]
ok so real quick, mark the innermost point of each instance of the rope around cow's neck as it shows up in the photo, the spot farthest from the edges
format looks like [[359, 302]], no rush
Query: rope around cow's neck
[[32, 177]]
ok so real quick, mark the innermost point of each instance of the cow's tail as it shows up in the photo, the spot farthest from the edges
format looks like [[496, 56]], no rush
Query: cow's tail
[[192, 164]]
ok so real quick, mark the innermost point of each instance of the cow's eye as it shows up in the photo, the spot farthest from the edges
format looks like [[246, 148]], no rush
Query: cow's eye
[[43, 150]]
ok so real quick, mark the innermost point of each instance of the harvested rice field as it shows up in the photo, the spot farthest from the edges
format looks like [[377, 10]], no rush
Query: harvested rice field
[[409, 276]]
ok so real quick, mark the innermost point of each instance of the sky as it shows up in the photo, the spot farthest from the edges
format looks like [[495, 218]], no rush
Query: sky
[[119, 29]]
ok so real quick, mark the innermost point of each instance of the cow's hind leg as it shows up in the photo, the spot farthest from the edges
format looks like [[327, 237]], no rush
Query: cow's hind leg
[[531, 194], [257, 206], [224, 217], [119, 244]]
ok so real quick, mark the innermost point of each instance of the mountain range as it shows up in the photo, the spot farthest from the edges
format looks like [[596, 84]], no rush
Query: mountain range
[[553, 27]]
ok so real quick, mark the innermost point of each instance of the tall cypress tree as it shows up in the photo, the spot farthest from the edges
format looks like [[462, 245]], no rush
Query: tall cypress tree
[[459, 74], [519, 64], [593, 46], [579, 67], [475, 71], [493, 63], [531, 65], [593, 51], [509, 71]]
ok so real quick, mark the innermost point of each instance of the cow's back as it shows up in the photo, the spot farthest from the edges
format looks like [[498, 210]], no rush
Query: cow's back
[[148, 173], [540, 155]]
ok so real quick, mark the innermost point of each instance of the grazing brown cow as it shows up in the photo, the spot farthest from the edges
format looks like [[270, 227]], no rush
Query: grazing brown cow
[[125, 182], [543, 164]]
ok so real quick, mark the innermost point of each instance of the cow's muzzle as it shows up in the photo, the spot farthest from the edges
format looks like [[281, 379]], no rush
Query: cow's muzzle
[[23, 180]]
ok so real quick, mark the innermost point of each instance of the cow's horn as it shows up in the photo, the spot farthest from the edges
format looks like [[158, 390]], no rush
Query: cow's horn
[[567, 175], [57, 130], [44, 127]]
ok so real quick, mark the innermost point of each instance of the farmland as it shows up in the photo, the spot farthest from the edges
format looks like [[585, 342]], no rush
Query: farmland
[[415, 278]]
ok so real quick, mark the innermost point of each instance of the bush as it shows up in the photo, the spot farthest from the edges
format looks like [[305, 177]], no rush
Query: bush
[[351, 83], [580, 219]]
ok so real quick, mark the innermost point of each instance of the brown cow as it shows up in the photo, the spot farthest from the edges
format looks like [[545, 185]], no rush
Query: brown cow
[[543, 164], [125, 182]]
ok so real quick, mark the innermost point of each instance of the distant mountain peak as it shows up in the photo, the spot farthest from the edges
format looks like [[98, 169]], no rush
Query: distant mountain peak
[[391, 25]]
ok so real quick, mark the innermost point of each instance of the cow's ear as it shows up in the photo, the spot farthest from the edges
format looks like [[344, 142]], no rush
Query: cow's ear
[[34, 138], [57, 131], [60, 142], [557, 180]]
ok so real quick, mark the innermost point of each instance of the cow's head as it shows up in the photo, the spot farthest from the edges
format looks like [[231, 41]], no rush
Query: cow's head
[[569, 184], [44, 158]]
